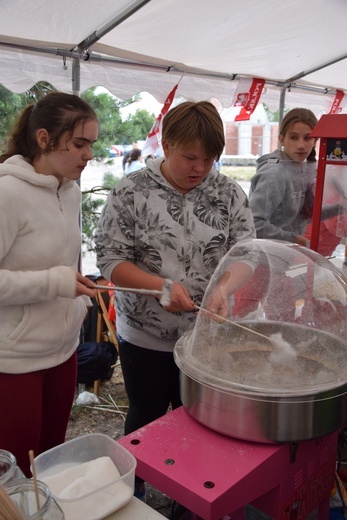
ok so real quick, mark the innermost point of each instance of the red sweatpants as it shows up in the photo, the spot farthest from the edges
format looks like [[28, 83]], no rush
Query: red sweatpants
[[35, 410]]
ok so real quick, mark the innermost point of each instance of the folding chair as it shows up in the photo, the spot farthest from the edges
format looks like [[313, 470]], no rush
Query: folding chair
[[102, 335]]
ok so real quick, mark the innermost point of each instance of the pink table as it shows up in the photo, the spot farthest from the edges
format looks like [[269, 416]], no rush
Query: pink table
[[214, 475]]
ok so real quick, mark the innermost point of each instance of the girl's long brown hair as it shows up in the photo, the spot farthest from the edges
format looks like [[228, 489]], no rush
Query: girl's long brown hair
[[57, 112]]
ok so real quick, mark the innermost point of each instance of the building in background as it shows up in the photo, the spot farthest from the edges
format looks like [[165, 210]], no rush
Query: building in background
[[248, 140]]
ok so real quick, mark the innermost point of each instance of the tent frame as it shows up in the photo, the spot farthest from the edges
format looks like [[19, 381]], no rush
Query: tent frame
[[83, 53]]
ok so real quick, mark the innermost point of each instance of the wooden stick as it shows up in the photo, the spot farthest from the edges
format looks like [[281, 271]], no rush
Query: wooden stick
[[146, 292], [8, 509], [33, 471], [233, 323], [115, 405], [109, 325]]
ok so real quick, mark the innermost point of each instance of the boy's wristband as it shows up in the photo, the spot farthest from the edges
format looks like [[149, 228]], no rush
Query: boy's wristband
[[165, 298]]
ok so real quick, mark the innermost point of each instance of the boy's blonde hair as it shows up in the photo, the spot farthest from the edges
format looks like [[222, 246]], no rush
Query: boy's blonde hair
[[190, 122]]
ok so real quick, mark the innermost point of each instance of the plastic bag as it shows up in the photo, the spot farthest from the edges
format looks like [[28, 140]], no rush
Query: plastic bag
[[86, 398]]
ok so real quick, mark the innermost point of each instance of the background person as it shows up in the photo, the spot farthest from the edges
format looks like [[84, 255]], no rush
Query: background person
[[134, 161], [281, 192], [40, 288], [127, 154], [169, 223], [282, 198]]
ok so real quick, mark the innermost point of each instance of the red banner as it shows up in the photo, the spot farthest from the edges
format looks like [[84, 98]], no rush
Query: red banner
[[247, 97], [152, 139], [335, 107]]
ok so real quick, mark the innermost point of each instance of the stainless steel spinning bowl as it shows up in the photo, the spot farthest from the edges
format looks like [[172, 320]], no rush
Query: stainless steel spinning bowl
[[264, 413]]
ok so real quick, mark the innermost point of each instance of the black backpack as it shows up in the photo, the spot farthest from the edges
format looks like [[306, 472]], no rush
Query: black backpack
[[96, 357], [95, 361]]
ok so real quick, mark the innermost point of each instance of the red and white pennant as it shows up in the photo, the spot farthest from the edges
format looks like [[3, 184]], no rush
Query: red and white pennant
[[335, 107], [247, 96], [152, 139]]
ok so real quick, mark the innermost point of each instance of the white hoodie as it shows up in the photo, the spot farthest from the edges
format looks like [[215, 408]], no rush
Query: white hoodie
[[40, 239]]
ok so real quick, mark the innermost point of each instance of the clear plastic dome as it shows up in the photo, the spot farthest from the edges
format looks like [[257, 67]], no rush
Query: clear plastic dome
[[273, 319]]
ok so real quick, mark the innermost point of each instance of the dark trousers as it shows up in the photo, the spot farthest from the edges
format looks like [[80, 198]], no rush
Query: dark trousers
[[151, 380]]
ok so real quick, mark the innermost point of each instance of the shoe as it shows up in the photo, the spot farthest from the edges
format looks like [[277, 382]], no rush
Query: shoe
[[140, 491]]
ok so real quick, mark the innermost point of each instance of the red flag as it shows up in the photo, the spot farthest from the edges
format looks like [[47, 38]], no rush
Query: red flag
[[152, 139], [335, 107], [247, 96]]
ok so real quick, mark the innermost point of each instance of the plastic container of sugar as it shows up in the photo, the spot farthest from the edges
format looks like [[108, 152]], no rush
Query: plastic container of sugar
[[90, 477]]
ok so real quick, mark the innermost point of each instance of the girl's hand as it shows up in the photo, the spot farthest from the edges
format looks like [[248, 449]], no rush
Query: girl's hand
[[84, 286]]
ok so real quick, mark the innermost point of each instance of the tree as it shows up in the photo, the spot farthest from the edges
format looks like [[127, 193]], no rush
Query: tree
[[112, 129], [90, 217], [91, 207], [107, 107], [140, 124], [274, 116], [12, 104]]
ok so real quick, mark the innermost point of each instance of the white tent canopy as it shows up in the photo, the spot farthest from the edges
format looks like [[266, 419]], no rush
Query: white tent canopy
[[129, 46]]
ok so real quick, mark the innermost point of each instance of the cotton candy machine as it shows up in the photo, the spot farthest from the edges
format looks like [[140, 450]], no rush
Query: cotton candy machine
[[267, 358]]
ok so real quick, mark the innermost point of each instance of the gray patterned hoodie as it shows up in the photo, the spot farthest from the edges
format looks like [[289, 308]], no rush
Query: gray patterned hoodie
[[173, 235]]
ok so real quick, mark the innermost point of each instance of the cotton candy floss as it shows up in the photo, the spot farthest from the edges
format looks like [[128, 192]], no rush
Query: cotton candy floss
[[282, 352]]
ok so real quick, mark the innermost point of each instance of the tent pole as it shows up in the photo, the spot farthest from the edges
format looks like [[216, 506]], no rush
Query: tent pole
[[187, 71], [281, 105], [111, 24], [76, 75], [76, 89]]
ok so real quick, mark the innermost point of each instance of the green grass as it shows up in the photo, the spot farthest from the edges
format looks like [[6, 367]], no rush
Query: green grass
[[243, 173]]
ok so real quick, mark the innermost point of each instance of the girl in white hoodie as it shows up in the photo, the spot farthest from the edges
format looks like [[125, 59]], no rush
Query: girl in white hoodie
[[41, 302]]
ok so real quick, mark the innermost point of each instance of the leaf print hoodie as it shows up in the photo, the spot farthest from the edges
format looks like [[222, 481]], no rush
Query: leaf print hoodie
[[178, 236]]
